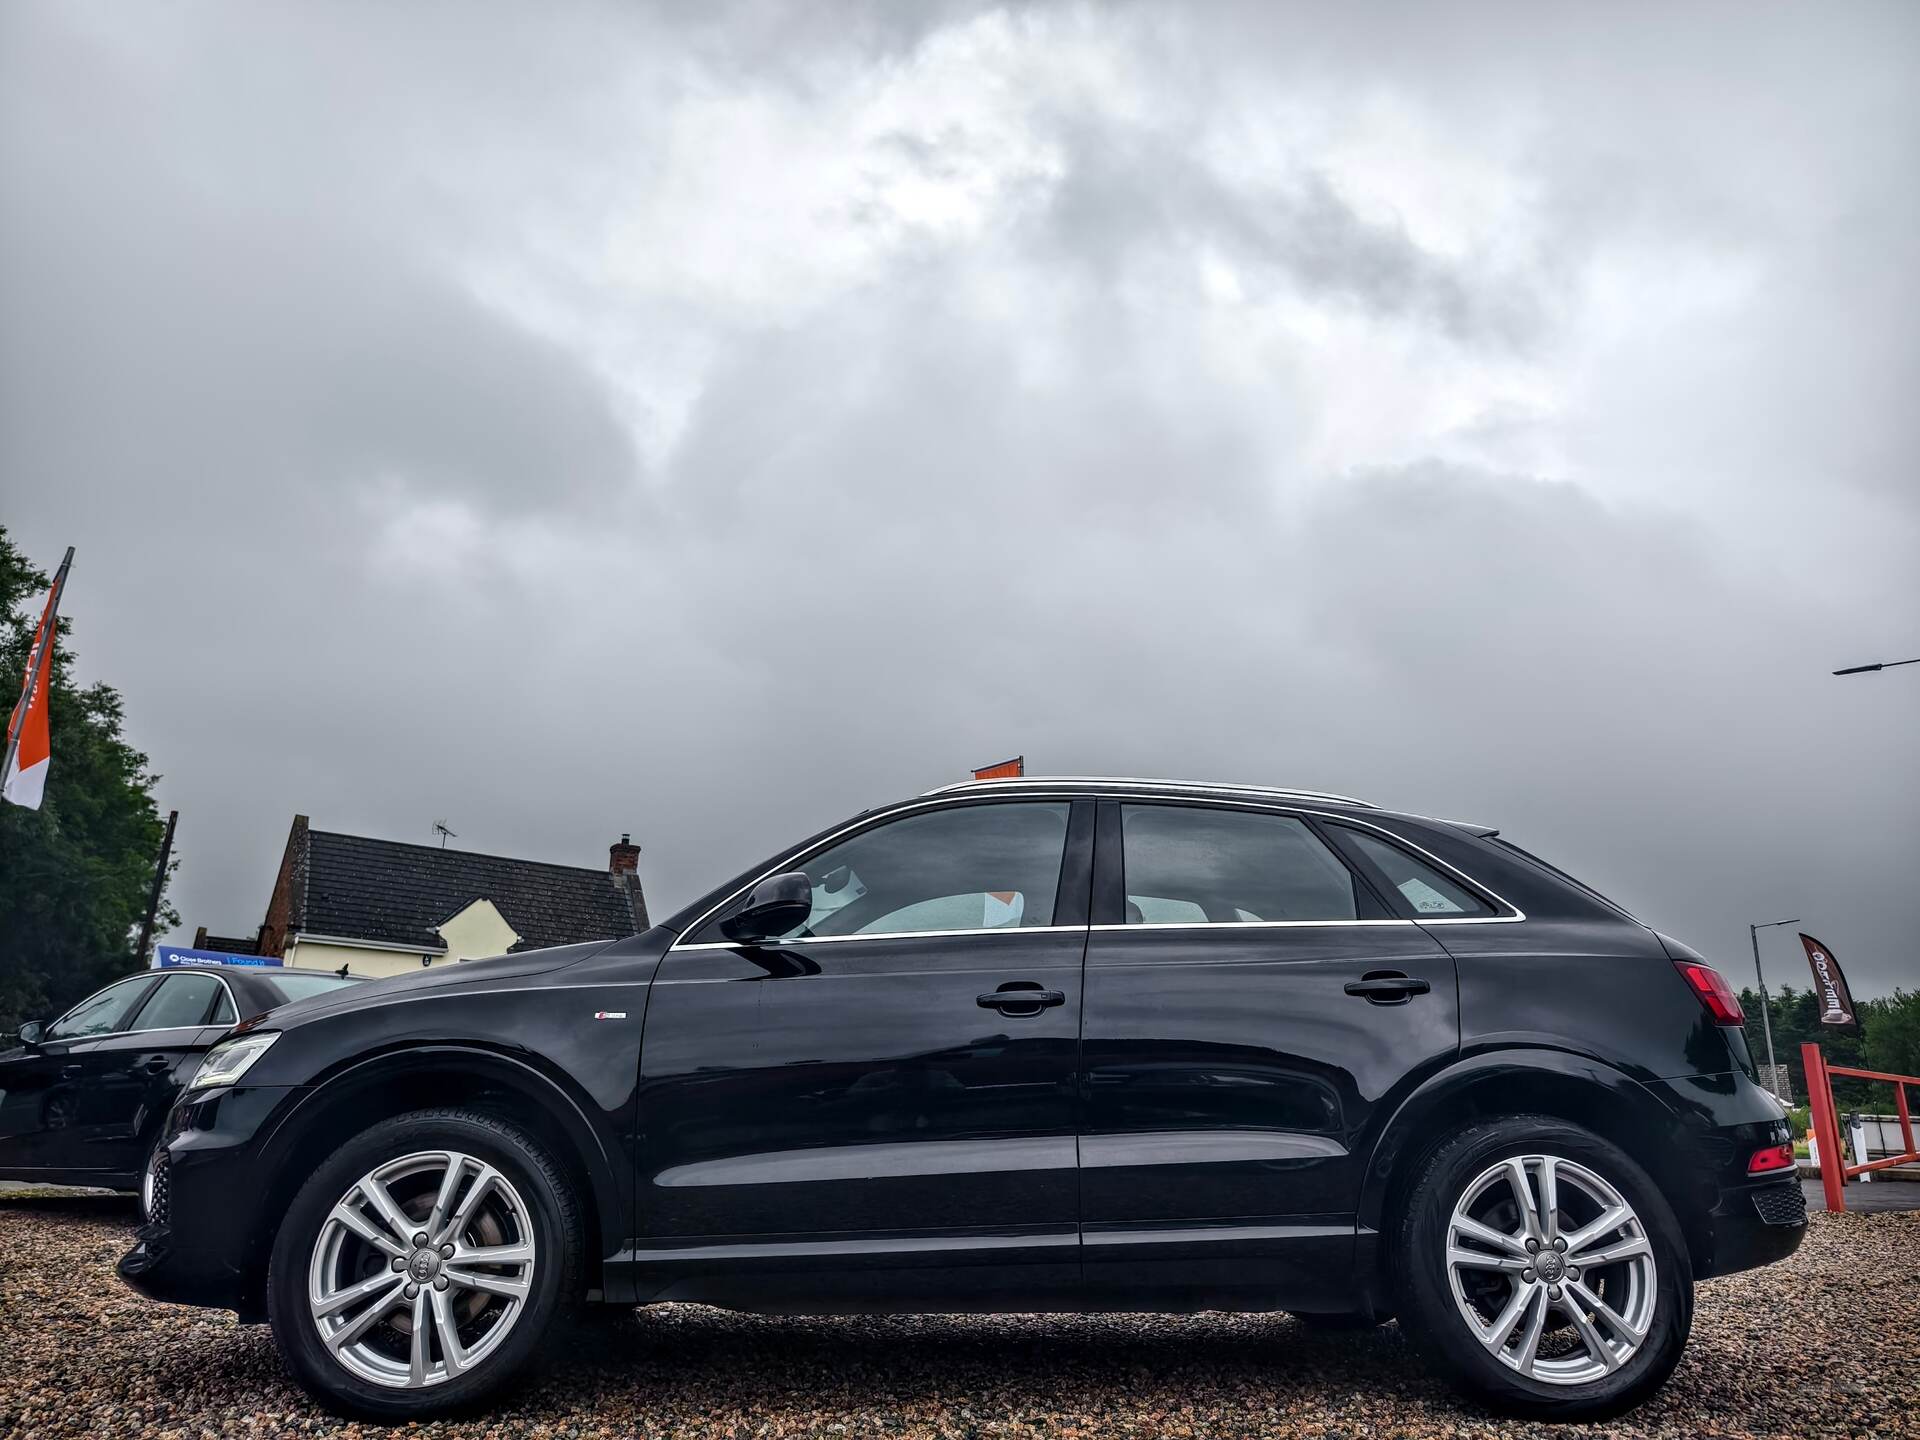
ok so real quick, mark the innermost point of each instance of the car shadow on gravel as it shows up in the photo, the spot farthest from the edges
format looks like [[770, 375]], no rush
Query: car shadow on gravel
[[677, 1358]]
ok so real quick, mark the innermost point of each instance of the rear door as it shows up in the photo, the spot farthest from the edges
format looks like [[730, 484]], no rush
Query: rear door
[[1255, 1007], [892, 1085]]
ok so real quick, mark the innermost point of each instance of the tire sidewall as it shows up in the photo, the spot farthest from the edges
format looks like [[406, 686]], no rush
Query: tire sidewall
[[1428, 1295], [551, 1211]]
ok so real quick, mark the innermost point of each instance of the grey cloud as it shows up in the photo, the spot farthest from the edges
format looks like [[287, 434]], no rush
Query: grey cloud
[[977, 497]]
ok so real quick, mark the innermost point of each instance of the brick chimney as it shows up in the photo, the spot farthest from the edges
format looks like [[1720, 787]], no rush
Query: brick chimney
[[624, 858]]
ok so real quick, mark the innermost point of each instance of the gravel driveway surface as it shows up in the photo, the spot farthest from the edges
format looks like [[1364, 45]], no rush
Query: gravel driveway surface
[[1826, 1344]]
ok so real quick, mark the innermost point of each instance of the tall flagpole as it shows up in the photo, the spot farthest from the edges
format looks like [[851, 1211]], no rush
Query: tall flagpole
[[43, 657]]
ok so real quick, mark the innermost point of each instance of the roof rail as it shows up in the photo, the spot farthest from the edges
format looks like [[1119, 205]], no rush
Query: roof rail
[[1057, 782]]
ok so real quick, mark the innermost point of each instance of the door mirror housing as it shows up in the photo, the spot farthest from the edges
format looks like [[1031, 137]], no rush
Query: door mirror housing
[[775, 906], [30, 1034]]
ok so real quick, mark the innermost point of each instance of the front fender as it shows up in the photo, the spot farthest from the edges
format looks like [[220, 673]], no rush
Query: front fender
[[584, 1131]]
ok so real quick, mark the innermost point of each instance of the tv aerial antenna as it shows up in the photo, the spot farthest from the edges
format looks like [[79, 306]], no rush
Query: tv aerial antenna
[[440, 829]]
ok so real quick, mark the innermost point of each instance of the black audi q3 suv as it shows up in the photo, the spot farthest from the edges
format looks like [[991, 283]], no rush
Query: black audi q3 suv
[[1074, 1045]]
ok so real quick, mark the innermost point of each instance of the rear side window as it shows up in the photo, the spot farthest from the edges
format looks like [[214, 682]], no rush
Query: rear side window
[[1421, 890], [1195, 865], [180, 1002]]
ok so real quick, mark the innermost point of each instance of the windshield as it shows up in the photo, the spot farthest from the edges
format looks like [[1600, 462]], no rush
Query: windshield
[[299, 987]]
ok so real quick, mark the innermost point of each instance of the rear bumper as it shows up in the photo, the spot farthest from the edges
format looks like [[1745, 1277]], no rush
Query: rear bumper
[[1755, 1225], [203, 1242]]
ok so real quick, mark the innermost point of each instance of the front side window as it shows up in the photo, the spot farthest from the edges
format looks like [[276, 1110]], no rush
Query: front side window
[[101, 1014], [1194, 865], [976, 867], [181, 1000], [1423, 890]]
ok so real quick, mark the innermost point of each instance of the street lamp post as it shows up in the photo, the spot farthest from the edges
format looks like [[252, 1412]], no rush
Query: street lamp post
[[1766, 1006], [1877, 665]]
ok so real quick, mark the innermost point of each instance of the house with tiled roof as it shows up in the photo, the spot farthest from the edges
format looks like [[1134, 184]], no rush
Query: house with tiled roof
[[383, 907]]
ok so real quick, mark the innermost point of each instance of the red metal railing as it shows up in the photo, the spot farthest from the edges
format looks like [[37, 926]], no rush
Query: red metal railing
[[1834, 1170]]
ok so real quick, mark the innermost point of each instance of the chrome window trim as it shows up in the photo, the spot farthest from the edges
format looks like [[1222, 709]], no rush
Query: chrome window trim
[[1014, 782], [1244, 924], [232, 999], [938, 799], [889, 935]]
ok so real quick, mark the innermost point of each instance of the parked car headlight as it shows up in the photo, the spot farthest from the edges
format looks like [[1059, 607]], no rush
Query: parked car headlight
[[230, 1059]]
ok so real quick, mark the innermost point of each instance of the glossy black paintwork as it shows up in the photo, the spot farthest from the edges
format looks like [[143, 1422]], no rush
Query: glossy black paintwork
[[87, 1111], [1207, 1117]]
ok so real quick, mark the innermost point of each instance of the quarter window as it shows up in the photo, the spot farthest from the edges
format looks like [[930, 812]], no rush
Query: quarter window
[[975, 867], [1189, 865], [1423, 891]]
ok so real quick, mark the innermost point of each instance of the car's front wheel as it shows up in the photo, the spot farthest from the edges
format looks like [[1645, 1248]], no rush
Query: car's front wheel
[[423, 1264], [1544, 1270]]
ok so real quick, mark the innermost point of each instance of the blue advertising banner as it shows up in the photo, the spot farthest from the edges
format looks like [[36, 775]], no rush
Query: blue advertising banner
[[179, 957]]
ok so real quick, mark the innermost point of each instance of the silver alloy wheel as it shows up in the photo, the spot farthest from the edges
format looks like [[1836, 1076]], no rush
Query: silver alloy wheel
[[1538, 1236], [421, 1269]]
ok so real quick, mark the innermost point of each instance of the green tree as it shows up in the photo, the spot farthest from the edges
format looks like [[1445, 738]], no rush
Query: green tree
[[1893, 1034], [74, 874], [1796, 1019]]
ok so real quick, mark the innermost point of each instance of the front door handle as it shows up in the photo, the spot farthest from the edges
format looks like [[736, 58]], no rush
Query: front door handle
[[1027, 1000], [70, 1072], [1389, 989], [154, 1065]]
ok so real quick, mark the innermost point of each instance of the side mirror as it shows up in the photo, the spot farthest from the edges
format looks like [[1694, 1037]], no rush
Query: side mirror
[[30, 1034], [777, 904]]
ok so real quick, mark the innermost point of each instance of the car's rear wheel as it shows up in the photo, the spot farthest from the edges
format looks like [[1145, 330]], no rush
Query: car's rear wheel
[[1544, 1270], [423, 1264]]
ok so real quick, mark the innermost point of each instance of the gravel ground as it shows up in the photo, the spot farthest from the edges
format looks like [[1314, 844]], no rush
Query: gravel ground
[[1826, 1344]]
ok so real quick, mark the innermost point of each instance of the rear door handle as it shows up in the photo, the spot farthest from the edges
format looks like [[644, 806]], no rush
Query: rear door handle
[[1387, 989], [1020, 1002]]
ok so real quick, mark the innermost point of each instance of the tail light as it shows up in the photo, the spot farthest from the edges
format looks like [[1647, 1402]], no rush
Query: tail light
[[1714, 992], [1771, 1159]]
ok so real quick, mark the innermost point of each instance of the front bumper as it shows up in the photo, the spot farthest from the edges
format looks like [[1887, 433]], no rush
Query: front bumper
[[204, 1241]]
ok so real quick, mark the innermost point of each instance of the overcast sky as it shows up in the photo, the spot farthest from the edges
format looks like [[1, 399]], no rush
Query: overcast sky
[[709, 421]]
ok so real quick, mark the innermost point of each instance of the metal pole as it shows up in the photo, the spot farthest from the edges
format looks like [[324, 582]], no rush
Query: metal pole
[[1766, 1010], [159, 884], [40, 661]]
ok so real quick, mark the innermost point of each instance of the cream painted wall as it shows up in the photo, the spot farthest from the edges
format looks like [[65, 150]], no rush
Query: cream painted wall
[[314, 955], [476, 932]]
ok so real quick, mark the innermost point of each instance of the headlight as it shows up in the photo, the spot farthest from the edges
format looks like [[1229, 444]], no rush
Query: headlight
[[231, 1059]]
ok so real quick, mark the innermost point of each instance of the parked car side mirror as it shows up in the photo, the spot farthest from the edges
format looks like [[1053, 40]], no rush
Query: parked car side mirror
[[30, 1034], [777, 904]]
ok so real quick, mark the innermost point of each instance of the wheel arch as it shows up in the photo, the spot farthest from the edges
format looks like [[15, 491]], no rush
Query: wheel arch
[[422, 1077], [1571, 1087]]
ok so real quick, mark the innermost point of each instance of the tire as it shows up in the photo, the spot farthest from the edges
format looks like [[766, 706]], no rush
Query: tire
[[500, 1312], [1583, 1364]]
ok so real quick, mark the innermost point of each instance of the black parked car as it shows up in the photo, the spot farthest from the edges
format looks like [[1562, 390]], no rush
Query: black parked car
[[82, 1098], [1028, 1045]]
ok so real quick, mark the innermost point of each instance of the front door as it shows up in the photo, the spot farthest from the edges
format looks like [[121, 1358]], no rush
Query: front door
[[127, 1080], [892, 1083], [42, 1098], [1242, 1033]]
